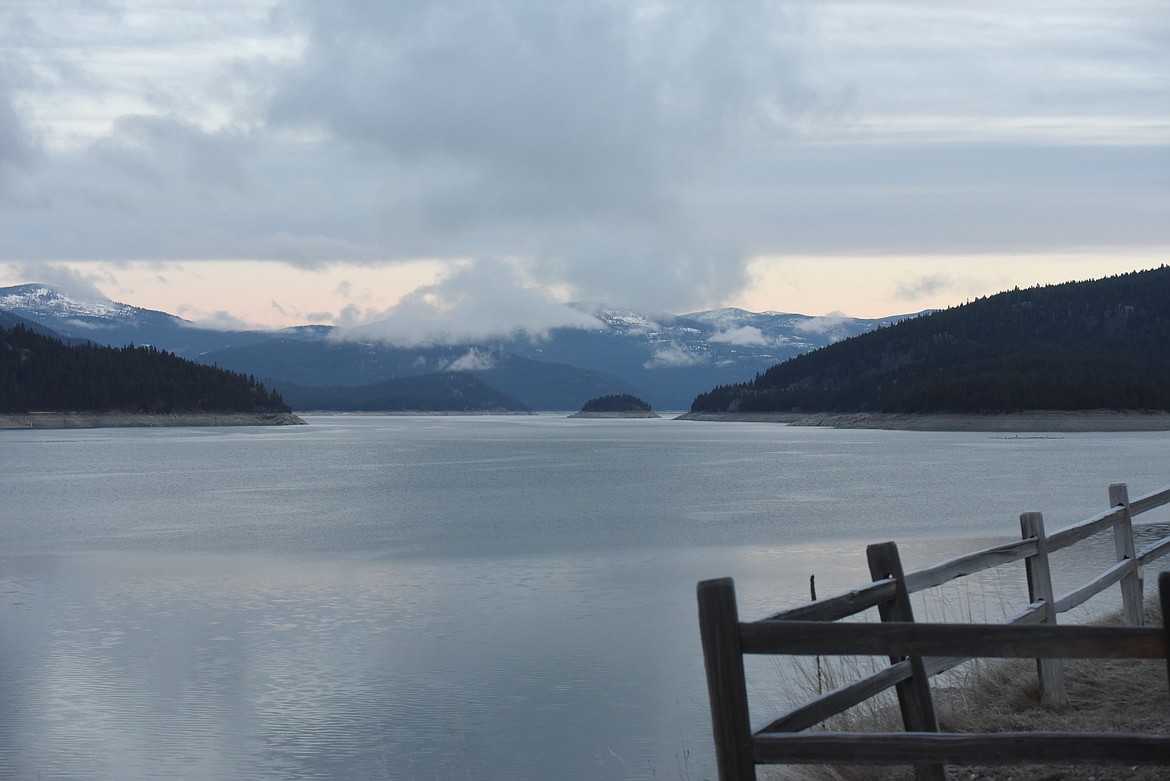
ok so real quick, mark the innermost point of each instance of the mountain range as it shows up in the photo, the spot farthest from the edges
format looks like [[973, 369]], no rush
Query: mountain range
[[665, 359]]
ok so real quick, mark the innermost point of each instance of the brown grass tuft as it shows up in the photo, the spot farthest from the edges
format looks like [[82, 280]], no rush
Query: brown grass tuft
[[1109, 695]]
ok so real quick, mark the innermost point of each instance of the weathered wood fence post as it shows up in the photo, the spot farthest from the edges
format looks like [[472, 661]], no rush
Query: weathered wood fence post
[[1164, 599], [726, 686], [1131, 585], [914, 698], [1038, 568]]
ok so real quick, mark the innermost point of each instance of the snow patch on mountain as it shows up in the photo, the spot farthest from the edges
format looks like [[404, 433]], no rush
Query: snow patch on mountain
[[473, 361], [743, 335], [620, 320], [720, 318]]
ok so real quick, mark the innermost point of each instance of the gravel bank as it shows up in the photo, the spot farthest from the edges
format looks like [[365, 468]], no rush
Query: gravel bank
[[639, 414], [1090, 420], [127, 419]]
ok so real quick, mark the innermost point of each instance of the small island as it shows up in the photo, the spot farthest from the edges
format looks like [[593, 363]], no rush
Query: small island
[[621, 405]]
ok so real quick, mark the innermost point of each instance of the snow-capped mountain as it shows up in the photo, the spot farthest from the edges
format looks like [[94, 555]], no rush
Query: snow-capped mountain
[[666, 359], [108, 322], [676, 357], [51, 302]]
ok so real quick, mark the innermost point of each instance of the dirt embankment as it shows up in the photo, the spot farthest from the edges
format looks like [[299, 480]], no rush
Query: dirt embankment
[[631, 414], [132, 420], [1088, 420]]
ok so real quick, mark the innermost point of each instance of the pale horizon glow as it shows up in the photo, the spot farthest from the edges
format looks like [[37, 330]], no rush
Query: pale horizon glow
[[880, 287], [242, 294]]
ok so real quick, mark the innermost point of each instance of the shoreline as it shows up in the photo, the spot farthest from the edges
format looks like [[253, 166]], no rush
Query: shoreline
[[1005, 422], [78, 420], [611, 415]]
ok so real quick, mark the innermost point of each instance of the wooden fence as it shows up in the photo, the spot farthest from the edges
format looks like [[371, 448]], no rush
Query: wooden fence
[[918, 651]]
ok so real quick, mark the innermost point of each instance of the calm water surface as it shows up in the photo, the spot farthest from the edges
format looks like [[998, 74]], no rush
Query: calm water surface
[[448, 598]]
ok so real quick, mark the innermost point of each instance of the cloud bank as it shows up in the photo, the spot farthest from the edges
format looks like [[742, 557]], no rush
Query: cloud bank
[[478, 301], [641, 154]]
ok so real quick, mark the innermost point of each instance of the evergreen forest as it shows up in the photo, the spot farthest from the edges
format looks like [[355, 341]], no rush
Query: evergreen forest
[[1102, 344], [41, 373], [620, 402], [434, 392]]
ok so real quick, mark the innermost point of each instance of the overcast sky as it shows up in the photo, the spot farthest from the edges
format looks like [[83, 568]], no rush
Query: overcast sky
[[484, 162]]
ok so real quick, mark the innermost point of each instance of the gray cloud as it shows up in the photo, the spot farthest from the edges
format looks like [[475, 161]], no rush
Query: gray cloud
[[481, 300], [534, 110], [672, 356], [569, 133], [635, 153], [827, 324], [75, 284], [744, 334], [915, 289], [642, 155], [18, 147], [220, 320], [164, 152]]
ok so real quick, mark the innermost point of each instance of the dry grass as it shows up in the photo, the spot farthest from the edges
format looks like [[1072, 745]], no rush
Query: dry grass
[[1104, 696]]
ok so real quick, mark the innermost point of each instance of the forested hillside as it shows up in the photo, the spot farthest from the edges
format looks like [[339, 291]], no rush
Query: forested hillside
[[1103, 344], [40, 373], [436, 392]]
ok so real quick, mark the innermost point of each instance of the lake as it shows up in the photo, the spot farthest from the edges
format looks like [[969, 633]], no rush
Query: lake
[[450, 597]]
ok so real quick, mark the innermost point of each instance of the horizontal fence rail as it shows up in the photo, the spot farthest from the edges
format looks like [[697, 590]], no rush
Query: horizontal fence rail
[[917, 651], [999, 748], [843, 605], [837, 701], [969, 564], [1002, 641], [1071, 535]]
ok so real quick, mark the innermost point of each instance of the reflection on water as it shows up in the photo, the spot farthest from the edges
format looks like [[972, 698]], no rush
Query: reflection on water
[[133, 666], [455, 598]]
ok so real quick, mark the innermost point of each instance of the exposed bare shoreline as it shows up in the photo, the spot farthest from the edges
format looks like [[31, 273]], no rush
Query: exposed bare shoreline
[[632, 414], [1007, 422], [131, 420]]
